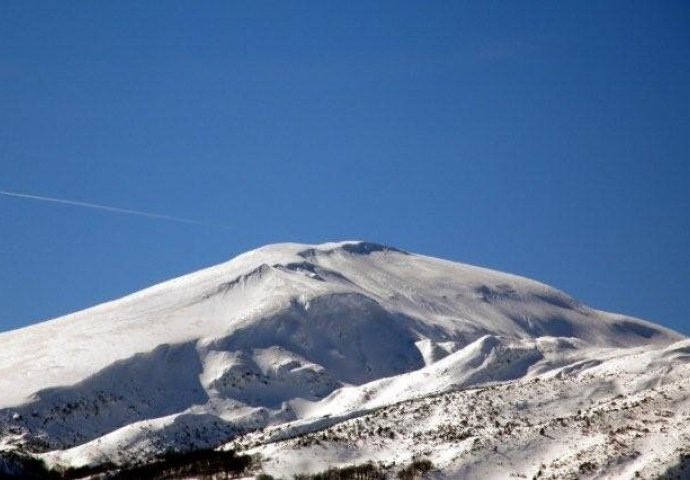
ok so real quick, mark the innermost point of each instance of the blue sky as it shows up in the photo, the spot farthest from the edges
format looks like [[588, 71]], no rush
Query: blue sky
[[547, 139]]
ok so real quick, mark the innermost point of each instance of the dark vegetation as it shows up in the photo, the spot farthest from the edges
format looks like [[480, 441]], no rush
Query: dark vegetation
[[415, 470], [13, 465], [202, 464], [587, 468], [367, 471]]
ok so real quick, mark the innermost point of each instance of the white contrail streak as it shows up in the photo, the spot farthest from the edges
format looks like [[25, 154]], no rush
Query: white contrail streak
[[109, 209]]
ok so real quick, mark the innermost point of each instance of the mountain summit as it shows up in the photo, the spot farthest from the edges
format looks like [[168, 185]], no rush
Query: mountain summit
[[299, 338]]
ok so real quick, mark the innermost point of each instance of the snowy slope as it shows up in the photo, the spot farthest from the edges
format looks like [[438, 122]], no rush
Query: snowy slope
[[623, 415], [294, 336]]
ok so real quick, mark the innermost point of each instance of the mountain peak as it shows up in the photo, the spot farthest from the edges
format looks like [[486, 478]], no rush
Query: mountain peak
[[286, 331], [358, 247]]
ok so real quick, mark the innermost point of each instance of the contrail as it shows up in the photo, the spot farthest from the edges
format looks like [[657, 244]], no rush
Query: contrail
[[110, 209]]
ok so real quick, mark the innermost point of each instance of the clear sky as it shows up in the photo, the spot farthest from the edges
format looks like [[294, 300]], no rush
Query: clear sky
[[547, 139]]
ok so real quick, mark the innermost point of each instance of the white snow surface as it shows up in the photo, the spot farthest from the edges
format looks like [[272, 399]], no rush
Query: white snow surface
[[292, 339]]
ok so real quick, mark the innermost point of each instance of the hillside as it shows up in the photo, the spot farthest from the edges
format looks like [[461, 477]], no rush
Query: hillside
[[288, 340]]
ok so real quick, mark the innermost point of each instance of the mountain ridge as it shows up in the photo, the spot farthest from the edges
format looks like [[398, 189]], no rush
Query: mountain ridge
[[290, 333]]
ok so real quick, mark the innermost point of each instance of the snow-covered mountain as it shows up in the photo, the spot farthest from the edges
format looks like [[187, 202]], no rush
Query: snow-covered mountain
[[290, 343]]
